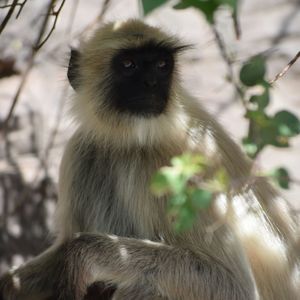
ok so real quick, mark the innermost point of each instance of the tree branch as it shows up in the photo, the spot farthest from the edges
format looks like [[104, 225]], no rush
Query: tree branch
[[9, 14], [55, 14], [228, 62], [287, 67], [29, 66]]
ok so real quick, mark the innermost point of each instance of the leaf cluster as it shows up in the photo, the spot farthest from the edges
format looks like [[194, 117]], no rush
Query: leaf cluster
[[185, 185], [265, 128], [207, 7]]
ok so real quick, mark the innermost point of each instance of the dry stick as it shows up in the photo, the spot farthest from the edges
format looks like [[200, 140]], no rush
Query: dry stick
[[17, 4], [28, 68], [9, 14], [12, 4], [50, 144], [44, 159], [21, 8], [236, 25], [228, 62], [53, 135], [55, 14], [283, 72], [51, 141], [82, 32]]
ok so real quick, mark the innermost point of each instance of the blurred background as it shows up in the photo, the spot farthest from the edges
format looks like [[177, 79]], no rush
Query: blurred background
[[34, 92]]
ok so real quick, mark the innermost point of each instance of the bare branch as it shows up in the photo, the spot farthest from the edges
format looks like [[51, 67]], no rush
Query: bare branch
[[21, 8], [55, 14], [229, 62], [9, 14], [29, 67], [236, 25], [8, 5], [51, 141], [90, 26], [288, 66], [15, 5]]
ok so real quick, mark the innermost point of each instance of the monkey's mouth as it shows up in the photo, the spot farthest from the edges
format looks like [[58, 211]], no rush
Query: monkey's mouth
[[147, 107]]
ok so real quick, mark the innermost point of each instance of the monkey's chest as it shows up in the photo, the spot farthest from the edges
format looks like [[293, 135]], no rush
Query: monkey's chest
[[116, 198]]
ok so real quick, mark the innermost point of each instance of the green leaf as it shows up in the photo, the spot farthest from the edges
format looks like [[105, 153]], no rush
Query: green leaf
[[201, 198], [178, 200], [288, 124], [188, 164], [223, 178], [230, 3], [185, 219], [150, 5], [282, 177], [176, 181], [253, 71], [159, 184], [250, 147], [259, 117], [280, 142], [262, 100], [207, 7]]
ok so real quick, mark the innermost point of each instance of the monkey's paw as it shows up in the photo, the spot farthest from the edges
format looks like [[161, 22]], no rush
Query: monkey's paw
[[9, 286]]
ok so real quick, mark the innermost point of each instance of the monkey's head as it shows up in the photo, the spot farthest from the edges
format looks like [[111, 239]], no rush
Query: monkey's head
[[126, 69]]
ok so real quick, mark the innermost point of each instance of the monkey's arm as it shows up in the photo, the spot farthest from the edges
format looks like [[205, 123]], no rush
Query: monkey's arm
[[172, 272], [35, 280], [155, 268], [239, 168]]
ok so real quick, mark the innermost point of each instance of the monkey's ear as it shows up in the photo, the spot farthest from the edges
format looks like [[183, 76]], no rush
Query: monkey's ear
[[73, 69]]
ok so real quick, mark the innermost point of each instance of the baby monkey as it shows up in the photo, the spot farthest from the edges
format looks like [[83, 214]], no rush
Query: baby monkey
[[133, 116]]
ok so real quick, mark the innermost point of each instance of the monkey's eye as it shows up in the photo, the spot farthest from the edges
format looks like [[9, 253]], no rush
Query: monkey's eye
[[161, 64], [128, 64]]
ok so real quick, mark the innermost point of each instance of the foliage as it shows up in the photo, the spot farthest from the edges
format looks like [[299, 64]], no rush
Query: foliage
[[181, 180], [208, 7], [184, 182], [149, 6], [265, 128]]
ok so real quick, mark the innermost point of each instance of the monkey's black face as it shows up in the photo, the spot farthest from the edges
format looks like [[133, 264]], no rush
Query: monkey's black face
[[141, 80]]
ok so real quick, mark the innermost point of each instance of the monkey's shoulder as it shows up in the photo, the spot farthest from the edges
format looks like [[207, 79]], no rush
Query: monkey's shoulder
[[91, 152]]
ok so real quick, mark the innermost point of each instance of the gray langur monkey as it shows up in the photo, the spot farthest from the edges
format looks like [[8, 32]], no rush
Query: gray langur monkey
[[133, 117]]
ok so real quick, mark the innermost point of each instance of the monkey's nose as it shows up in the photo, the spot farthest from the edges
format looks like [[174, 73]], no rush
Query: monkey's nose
[[150, 82]]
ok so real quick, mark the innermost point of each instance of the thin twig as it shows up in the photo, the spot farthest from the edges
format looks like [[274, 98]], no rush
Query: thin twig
[[21, 8], [82, 32], [283, 72], [28, 68], [55, 14], [9, 14], [236, 25], [17, 4], [51, 141], [9, 5], [228, 62]]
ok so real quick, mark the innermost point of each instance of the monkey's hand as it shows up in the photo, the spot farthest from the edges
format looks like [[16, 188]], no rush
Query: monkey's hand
[[36, 280], [8, 288], [19, 285], [12, 287]]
